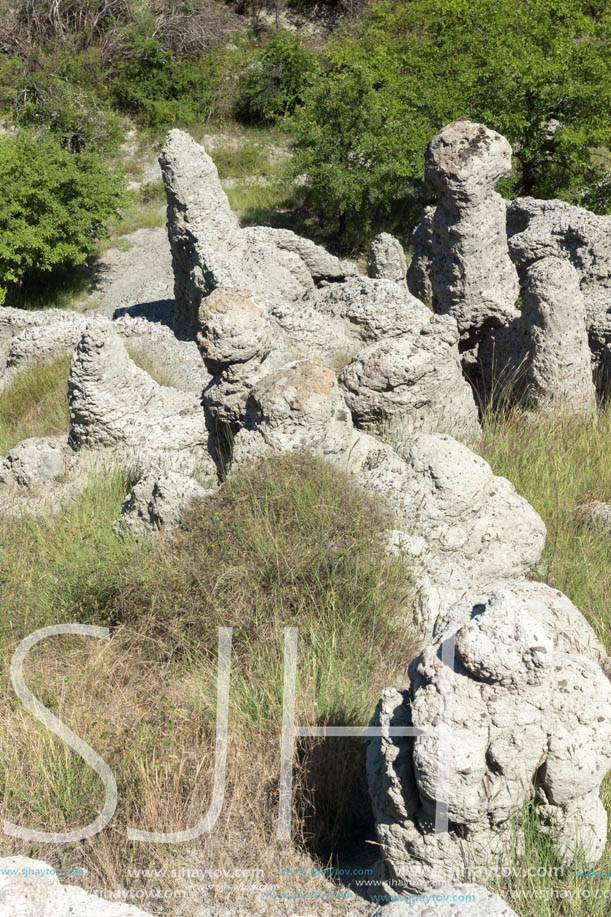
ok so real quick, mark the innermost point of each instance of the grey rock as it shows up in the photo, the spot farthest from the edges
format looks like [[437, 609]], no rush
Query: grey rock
[[158, 502], [209, 248], [373, 309], [115, 405], [537, 229], [233, 328], [540, 229], [455, 521], [30, 338], [36, 461], [472, 276], [320, 264], [467, 900], [412, 383], [419, 270], [39, 893], [386, 259], [559, 371], [523, 705], [596, 514], [36, 893]]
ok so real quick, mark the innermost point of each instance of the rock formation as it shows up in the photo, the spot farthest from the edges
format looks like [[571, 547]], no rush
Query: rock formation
[[210, 250], [472, 276], [526, 717], [456, 522], [419, 270], [412, 384], [386, 259], [158, 502], [543, 229], [115, 405], [30, 338]]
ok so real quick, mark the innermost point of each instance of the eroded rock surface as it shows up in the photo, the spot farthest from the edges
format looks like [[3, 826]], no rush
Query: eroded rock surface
[[30, 338], [472, 276], [523, 710], [115, 405], [158, 502], [411, 384], [386, 259]]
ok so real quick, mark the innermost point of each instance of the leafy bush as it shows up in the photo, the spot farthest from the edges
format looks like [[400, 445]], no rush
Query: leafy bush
[[275, 84], [538, 71], [54, 206], [158, 89], [65, 93]]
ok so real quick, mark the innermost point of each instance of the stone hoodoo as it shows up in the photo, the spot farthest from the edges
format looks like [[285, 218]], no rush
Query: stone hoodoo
[[527, 716], [472, 276], [541, 230], [419, 270], [210, 250]]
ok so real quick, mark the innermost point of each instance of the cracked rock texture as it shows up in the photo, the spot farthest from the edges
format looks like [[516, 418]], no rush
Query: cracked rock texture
[[522, 715], [411, 384], [472, 276], [596, 514]]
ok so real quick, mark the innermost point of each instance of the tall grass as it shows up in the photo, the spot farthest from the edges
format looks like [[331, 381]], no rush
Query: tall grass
[[290, 543], [35, 404]]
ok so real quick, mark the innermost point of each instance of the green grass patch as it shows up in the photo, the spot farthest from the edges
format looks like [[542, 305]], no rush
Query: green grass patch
[[556, 463], [35, 404]]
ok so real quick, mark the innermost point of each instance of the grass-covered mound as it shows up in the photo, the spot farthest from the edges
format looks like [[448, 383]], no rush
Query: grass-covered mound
[[290, 543]]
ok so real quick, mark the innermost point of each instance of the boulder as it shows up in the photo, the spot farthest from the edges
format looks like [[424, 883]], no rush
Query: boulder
[[472, 276], [411, 384], [386, 259], [158, 502], [38, 461], [372, 309], [522, 717], [595, 514], [114, 405], [467, 900]]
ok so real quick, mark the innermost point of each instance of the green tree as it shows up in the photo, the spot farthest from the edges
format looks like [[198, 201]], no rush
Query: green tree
[[54, 206], [539, 71]]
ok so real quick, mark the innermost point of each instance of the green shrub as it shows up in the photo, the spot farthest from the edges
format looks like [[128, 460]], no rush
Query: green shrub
[[65, 92], [538, 72], [275, 83], [54, 206], [160, 90]]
